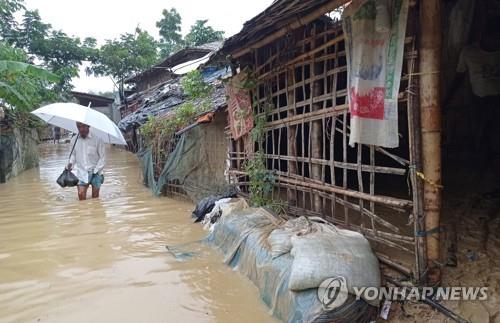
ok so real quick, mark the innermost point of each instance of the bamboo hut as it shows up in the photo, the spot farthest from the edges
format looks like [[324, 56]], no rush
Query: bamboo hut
[[296, 52]]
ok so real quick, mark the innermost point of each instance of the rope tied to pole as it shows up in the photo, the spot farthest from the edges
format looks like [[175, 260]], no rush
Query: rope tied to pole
[[428, 181]]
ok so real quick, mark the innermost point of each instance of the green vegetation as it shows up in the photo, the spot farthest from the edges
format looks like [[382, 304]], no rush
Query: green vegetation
[[201, 34], [27, 40], [262, 180], [170, 33], [125, 56], [22, 86], [52, 49], [118, 58], [163, 128], [194, 86], [25, 86]]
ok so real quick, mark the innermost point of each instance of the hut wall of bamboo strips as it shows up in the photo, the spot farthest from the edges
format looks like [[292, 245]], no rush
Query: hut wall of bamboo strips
[[368, 189]]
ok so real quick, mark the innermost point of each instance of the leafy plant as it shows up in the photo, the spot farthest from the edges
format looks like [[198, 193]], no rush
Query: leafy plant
[[20, 80], [201, 34], [170, 32], [262, 180], [159, 132], [121, 58], [194, 86], [23, 86]]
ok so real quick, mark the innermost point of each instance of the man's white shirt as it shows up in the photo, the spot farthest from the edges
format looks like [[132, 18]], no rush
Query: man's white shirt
[[89, 155]]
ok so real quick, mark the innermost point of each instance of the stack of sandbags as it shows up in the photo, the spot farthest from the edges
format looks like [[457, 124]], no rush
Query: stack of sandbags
[[321, 251], [272, 252]]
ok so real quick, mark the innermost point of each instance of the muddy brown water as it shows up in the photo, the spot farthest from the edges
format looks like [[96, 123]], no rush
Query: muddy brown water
[[104, 260]]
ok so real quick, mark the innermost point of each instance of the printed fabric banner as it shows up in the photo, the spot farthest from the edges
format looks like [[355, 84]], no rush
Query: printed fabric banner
[[375, 32], [239, 106]]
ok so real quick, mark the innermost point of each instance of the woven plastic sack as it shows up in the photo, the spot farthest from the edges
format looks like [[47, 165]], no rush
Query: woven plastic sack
[[330, 253], [280, 243], [279, 239]]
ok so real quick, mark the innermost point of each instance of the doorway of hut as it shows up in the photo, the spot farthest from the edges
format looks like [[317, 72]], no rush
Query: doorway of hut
[[471, 144]]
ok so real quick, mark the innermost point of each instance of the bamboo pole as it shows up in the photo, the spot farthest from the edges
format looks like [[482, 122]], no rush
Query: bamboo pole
[[390, 201], [430, 111], [291, 130], [415, 149], [315, 132]]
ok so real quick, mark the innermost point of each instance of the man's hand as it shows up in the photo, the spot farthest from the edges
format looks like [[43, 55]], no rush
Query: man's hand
[[69, 166]]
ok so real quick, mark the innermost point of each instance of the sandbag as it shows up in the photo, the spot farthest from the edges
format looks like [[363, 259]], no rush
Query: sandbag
[[242, 238], [333, 252], [279, 239]]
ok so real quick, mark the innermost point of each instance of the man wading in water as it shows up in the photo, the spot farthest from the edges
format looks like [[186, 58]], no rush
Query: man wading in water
[[88, 158]]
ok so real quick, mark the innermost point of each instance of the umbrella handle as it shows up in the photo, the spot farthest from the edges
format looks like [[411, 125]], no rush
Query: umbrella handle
[[69, 157]]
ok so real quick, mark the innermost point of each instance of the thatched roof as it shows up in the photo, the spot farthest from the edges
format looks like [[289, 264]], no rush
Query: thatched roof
[[278, 19]]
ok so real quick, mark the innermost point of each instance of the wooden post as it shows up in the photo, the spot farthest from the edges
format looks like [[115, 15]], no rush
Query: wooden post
[[430, 112]]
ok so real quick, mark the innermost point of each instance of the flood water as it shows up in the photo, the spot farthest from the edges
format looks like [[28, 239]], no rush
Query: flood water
[[104, 260]]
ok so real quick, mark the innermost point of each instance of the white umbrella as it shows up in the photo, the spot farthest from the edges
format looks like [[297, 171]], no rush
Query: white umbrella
[[65, 115]]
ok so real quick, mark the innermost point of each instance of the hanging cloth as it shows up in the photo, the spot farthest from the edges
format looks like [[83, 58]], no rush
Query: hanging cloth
[[375, 33]]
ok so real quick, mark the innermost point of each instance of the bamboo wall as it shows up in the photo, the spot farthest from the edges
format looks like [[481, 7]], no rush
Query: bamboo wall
[[364, 188]]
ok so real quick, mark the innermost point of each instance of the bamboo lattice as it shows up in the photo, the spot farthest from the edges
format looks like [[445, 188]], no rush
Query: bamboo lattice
[[364, 188]]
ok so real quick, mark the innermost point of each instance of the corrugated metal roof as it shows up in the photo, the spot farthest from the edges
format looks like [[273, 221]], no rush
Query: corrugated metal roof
[[181, 56]]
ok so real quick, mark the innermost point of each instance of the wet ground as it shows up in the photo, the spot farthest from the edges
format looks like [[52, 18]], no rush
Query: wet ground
[[104, 260], [478, 242]]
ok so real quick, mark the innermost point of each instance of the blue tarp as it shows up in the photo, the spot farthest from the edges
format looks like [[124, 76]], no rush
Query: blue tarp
[[241, 236]]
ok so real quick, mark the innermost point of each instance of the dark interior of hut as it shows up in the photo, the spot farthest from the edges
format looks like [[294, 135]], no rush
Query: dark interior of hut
[[471, 147]]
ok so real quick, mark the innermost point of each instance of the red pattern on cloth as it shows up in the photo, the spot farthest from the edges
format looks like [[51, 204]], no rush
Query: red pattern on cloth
[[239, 107], [369, 105]]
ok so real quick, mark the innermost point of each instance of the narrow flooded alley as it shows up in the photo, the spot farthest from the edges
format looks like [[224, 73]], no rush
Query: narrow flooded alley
[[104, 260]]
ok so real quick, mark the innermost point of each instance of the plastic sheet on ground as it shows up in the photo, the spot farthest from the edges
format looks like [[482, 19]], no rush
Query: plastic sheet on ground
[[242, 237]]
